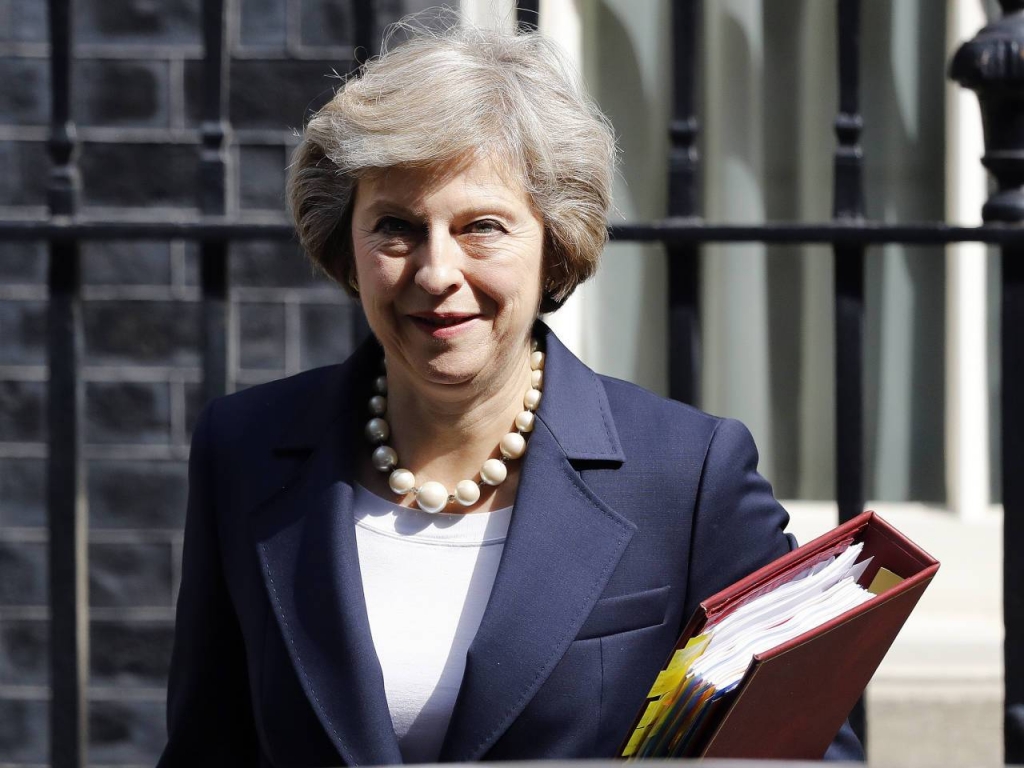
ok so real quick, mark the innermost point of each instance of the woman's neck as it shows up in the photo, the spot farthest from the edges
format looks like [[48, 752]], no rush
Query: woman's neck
[[446, 436]]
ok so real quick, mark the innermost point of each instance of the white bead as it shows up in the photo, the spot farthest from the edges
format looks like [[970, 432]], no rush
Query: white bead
[[524, 421], [536, 379], [402, 481], [377, 430], [493, 472], [384, 458], [467, 493], [380, 385], [537, 360], [512, 445], [432, 497], [378, 405], [532, 399]]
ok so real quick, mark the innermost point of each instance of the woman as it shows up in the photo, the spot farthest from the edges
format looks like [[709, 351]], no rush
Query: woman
[[460, 544]]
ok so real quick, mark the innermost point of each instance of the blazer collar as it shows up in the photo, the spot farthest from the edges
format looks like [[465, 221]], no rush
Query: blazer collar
[[574, 405], [563, 545], [305, 539]]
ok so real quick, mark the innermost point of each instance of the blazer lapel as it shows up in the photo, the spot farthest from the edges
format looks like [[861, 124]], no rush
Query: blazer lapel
[[562, 547], [305, 537]]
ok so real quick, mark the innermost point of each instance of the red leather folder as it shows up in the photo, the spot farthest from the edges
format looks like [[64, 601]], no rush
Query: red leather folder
[[794, 698]]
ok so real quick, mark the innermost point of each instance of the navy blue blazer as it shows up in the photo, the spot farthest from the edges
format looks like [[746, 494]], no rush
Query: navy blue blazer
[[630, 510]]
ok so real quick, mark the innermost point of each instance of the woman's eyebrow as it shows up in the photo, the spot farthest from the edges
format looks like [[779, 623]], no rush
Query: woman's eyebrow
[[478, 209], [485, 210], [384, 205]]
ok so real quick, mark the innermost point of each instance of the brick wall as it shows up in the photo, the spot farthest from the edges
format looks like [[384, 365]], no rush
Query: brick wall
[[137, 86]]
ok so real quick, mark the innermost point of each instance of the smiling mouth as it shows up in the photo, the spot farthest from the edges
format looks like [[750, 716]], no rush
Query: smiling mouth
[[442, 321], [443, 326]]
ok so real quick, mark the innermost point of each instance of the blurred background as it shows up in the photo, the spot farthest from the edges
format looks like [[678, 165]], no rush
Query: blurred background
[[768, 100]]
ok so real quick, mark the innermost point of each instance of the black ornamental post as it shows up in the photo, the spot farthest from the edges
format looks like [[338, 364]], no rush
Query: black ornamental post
[[528, 14], [992, 65], [847, 206], [215, 132], [684, 203], [67, 509], [848, 259]]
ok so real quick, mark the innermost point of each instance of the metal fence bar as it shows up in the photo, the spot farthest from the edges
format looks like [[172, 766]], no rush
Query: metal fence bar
[[683, 196], [848, 204], [838, 232], [667, 231], [365, 34], [1013, 502], [215, 130], [66, 497], [528, 14], [990, 64]]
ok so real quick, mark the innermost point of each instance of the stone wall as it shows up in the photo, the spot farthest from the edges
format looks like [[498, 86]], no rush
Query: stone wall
[[137, 85]]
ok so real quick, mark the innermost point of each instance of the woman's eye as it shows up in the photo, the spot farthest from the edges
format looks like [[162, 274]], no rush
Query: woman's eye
[[390, 226], [485, 227]]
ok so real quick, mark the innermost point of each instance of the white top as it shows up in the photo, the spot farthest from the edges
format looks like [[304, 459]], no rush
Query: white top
[[427, 579]]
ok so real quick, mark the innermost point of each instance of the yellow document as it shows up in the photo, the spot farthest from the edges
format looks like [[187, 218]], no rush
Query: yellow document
[[670, 677], [668, 681], [884, 581]]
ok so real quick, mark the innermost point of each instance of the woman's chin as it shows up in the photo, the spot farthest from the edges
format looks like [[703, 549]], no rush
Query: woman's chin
[[448, 375], [455, 372], [458, 367]]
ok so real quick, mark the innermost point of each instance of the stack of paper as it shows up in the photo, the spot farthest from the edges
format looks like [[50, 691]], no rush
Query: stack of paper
[[697, 683]]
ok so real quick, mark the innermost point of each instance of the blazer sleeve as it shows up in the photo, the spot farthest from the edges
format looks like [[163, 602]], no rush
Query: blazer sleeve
[[738, 527], [209, 713]]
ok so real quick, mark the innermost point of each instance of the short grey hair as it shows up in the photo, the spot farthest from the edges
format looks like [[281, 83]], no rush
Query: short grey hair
[[441, 96]]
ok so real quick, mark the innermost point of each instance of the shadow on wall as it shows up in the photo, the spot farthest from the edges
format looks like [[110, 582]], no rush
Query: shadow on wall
[[902, 91], [629, 296]]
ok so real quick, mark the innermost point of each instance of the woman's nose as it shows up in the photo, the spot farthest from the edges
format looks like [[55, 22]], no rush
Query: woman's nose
[[438, 270]]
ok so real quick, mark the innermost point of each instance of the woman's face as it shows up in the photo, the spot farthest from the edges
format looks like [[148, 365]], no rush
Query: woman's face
[[449, 264]]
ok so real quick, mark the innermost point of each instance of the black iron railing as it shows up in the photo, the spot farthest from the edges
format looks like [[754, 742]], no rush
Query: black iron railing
[[66, 497], [848, 206], [991, 65], [213, 191], [683, 202]]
